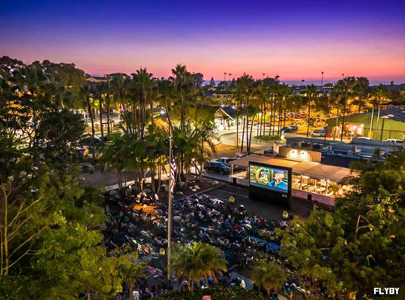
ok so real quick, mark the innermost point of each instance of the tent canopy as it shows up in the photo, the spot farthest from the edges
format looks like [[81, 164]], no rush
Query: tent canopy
[[312, 169]]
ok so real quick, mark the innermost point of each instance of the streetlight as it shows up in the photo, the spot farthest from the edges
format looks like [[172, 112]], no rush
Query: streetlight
[[322, 79], [382, 126]]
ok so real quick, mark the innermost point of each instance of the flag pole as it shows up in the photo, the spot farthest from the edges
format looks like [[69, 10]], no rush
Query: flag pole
[[169, 204]]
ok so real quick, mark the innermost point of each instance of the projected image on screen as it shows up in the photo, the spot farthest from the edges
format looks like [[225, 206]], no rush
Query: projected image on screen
[[269, 178]]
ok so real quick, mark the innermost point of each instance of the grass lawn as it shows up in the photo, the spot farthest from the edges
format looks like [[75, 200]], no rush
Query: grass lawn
[[268, 138]]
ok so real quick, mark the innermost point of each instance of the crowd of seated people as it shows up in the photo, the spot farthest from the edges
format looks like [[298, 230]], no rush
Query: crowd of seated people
[[242, 236]]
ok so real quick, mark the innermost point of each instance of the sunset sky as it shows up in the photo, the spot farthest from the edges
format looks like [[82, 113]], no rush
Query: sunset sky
[[295, 39]]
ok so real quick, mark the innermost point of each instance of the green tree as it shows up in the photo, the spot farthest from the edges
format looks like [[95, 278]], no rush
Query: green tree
[[196, 261], [361, 245], [131, 270], [144, 86], [362, 89], [268, 275], [244, 86], [310, 94], [346, 87]]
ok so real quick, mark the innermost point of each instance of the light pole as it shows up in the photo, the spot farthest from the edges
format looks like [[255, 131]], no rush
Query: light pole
[[322, 79]]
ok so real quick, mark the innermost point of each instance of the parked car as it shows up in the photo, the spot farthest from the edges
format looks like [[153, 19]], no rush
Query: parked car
[[395, 141], [217, 166], [86, 140], [318, 133], [293, 128], [269, 151], [225, 160], [286, 129], [363, 138]]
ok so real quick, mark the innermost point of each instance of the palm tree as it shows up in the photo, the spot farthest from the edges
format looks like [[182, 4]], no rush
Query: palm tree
[[346, 86], [85, 93], [165, 95], [379, 93], [197, 260], [268, 275], [131, 270], [97, 96], [206, 135], [244, 86], [156, 153], [120, 90], [114, 154], [311, 93], [144, 84], [182, 81], [362, 86]]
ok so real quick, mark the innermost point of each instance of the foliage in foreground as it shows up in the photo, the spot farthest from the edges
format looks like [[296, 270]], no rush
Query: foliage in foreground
[[362, 245], [268, 275], [196, 261], [217, 293]]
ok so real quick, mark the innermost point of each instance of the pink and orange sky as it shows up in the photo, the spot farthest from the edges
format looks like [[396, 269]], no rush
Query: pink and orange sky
[[295, 39]]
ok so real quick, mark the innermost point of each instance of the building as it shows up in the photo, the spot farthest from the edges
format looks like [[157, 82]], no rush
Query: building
[[335, 153], [225, 117], [218, 97], [325, 90], [393, 105], [377, 125], [312, 181]]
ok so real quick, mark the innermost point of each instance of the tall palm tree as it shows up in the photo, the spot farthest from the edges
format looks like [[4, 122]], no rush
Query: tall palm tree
[[198, 260], [182, 81], [244, 85], [268, 275], [165, 95], [379, 94], [85, 93], [362, 87], [346, 86], [120, 90], [97, 95], [143, 82], [311, 93]]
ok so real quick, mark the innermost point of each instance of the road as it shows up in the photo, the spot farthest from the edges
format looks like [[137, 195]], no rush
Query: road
[[227, 140]]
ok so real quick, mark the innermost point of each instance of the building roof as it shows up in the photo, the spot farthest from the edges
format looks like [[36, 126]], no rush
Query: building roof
[[227, 110], [312, 169], [210, 93]]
